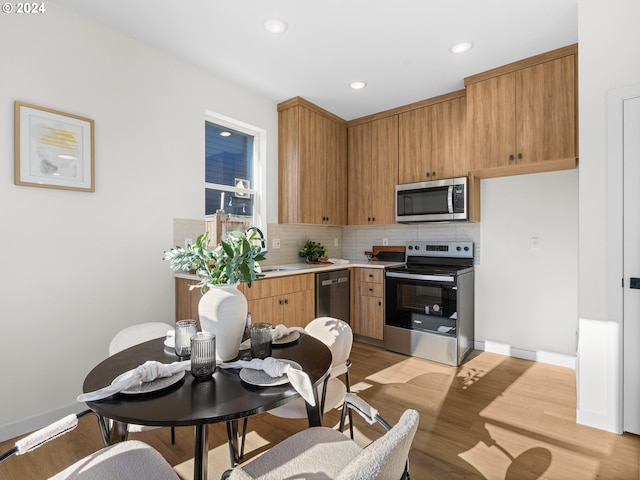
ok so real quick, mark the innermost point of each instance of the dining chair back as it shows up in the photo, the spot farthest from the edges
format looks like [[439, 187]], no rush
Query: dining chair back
[[121, 461], [322, 452], [338, 336]]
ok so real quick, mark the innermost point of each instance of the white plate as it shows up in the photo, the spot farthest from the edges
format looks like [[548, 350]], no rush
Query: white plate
[[152, 386], [170, 342], [260, 378], [287, 339]]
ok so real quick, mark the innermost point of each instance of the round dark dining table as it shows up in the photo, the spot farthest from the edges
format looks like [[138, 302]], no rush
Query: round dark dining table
[[192, 402]]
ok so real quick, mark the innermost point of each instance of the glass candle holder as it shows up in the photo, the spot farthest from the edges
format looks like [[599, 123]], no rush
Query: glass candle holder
[[260, 340], [185, 329], [203, 354]]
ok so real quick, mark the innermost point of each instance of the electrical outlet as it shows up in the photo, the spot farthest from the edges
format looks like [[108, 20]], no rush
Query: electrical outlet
[[336, 242], [385, 242], [275, 243]]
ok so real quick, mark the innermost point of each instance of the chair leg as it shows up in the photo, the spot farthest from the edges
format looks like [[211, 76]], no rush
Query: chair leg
[[173, 435], [347, 378], [236, 453]]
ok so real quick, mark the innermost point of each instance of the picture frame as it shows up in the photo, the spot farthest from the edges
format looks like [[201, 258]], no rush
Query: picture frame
[[53, 149]]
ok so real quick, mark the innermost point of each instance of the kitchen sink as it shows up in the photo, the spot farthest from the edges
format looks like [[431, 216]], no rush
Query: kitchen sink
[[279, 268]]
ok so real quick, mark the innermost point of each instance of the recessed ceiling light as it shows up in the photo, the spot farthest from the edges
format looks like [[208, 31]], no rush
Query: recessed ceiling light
[[461, 47], [275, 25], [358, 85], [225, 134]]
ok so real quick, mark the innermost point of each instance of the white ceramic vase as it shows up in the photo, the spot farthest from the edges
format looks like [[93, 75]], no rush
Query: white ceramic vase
[[223, 312]]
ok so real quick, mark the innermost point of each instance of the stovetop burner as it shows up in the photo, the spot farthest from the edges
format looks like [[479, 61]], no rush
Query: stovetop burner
[[437, 258]]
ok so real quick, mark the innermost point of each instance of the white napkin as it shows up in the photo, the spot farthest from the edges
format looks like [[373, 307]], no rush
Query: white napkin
[[276, 368], [144, 373], [280, 331]]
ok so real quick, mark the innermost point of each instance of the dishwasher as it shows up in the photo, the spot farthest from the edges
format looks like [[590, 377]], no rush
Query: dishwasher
[[332, 294]]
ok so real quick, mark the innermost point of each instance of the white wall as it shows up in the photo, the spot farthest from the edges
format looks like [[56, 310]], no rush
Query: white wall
[[527, 296], [77, 267], [609, 58]]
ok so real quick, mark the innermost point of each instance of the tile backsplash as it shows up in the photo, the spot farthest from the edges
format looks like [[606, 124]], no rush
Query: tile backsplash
[[348, 242]]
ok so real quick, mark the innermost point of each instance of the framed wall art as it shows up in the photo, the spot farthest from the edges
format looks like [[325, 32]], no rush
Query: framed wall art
[[53, 149]]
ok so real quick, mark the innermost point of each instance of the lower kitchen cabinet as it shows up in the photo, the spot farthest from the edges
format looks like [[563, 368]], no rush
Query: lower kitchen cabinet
[[187, 300], [288, 300], [368, 320]]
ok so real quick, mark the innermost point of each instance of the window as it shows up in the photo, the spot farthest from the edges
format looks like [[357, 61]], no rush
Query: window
[[233, 168]]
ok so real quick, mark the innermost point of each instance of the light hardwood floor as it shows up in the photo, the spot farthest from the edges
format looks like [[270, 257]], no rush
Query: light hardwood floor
[[495, 417]]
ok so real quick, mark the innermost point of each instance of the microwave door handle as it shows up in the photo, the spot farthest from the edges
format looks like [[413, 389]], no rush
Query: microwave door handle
[[450, 199]]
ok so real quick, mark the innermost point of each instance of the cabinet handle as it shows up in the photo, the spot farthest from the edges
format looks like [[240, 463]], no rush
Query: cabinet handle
[[368, 219], [511, 157], [379, 304], [428, 174], [371, 289], [519, 156], [433, 174], [373, 219], [286, 301]]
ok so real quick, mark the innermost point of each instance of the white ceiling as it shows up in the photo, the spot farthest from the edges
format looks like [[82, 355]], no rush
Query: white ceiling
[[399, 47]]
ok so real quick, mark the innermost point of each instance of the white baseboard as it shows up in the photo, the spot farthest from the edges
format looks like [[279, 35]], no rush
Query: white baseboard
[[558, 359], [28, 425]]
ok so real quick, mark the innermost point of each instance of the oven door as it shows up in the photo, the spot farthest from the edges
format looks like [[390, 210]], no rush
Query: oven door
[[418, 303]]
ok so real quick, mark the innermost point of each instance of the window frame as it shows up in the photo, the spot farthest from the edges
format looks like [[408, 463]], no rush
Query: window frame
[[259, 186]]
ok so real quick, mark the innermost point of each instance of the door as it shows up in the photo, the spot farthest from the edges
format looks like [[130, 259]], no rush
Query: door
[[631, 264]]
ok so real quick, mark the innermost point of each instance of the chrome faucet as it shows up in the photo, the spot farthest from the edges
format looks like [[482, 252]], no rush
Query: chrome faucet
[[263, 242]]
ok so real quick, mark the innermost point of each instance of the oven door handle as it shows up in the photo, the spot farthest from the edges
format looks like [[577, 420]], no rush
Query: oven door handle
[[417, 276], [450, 199]]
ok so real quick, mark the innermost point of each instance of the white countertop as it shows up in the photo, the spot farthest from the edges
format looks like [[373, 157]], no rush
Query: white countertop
[[300, 268]]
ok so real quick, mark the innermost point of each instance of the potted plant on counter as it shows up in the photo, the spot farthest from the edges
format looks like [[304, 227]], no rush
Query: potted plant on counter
[[313, 251], [222, 308]]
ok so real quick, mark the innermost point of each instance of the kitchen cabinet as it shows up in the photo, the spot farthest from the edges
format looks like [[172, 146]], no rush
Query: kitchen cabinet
[[525, 112], [312, 165], [368, 318], [186, 301], [373, 171], [289, 300], [432, 140]]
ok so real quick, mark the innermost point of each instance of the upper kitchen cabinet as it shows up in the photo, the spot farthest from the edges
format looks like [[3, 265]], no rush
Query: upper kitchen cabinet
[[373, 171], [525, 112], [432, 139], [312, 164]]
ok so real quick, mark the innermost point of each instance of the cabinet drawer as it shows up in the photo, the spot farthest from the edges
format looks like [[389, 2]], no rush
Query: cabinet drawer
[[271, 287], [372, 289], [371, 275]]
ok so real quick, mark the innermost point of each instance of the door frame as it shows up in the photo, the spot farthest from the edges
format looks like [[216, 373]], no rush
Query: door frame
[[615, 224]]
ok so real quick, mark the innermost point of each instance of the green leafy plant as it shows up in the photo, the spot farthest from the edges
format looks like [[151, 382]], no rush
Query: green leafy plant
[[312, 250], [234, 260]]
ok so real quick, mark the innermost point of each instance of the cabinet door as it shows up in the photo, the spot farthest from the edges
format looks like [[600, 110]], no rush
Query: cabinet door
[[298, 309], [491, 121], [383, 170], [359, 152], [265, 310], [335, 173], [414, 137], [186, 300], [449, 139], [371, 317], [313, 165], [546, 111]]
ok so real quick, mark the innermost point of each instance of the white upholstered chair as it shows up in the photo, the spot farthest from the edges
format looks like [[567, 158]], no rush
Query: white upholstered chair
[[322, 453], [128, 337], [123, 461], [338, 336]]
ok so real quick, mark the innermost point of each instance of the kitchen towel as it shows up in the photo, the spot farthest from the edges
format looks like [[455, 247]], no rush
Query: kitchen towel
[[276, 368], [144, 373]]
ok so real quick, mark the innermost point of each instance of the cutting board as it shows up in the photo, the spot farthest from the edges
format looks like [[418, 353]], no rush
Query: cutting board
[[393, 253]]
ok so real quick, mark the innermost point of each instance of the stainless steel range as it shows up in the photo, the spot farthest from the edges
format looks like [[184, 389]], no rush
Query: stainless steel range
[[429, 302]]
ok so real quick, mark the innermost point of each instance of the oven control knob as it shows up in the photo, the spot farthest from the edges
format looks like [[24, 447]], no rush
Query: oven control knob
[[410, 247], [417, 247], [458, 248], [466, 249]]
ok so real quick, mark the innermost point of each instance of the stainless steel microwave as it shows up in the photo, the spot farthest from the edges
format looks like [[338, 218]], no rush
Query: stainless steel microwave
[[436, 201]]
